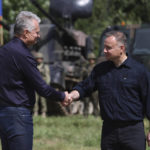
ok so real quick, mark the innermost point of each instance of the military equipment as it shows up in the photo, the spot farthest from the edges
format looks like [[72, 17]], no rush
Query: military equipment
[[138, 42], [62, 46]]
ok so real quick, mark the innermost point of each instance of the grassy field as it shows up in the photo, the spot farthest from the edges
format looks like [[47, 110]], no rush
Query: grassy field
[[68, 133]]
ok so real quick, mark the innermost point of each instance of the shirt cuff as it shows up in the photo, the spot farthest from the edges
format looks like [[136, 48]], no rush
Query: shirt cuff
[[62, 96]]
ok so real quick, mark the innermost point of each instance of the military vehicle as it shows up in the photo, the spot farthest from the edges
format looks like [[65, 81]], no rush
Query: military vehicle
[[64, 48], [138, 42]]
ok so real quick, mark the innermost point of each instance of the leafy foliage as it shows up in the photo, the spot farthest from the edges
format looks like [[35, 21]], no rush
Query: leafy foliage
[[16, 6], [13, 7]]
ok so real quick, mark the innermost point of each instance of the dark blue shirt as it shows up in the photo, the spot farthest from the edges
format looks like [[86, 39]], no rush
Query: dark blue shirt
[[19, 77], [124, 91]]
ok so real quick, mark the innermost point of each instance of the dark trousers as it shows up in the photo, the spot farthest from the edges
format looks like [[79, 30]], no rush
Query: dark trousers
[[123, 136], [16, 128]]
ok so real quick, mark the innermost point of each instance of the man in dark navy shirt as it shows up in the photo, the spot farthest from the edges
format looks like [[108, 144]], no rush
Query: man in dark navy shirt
[[19, 79], [124, 96]]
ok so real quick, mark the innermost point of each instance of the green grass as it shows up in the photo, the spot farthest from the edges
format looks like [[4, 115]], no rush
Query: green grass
[[147, 128], [69, 133]]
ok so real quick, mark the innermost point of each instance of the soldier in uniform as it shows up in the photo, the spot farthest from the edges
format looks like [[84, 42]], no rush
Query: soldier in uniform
[[45, 72], [93, 98]]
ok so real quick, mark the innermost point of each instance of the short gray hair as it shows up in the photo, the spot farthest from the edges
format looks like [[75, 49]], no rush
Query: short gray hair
[[119, 36], [24, 21]]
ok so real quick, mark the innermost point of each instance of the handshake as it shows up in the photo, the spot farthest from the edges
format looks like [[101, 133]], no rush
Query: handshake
[[69, 97]]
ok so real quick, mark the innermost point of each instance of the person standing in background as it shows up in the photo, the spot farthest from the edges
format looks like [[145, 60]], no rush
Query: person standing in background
[[45, 73], [93, 98]]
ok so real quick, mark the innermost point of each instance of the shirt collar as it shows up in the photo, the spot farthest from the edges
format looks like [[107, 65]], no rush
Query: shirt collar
[[19, 40], [127, 62]]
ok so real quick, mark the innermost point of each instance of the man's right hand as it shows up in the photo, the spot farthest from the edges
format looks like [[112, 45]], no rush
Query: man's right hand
[[67, 99], [74, 95]]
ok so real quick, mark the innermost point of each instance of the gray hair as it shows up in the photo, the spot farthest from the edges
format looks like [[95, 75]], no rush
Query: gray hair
[[119, 36], [24, 21]]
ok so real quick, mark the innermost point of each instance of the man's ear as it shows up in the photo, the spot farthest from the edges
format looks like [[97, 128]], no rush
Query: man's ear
[[122, 48], [25, 33]]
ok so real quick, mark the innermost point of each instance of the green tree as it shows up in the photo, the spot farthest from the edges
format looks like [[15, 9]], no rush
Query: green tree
[[13, 7], [131, 11]]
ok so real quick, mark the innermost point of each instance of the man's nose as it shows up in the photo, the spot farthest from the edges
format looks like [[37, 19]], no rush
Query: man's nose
[[105, 50]]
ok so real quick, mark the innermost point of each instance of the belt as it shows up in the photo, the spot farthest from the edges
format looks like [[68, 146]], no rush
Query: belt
[[5, 104], [121, 123]]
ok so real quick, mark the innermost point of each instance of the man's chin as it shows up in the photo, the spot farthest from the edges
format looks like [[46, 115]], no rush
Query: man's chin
[[107, 58]]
